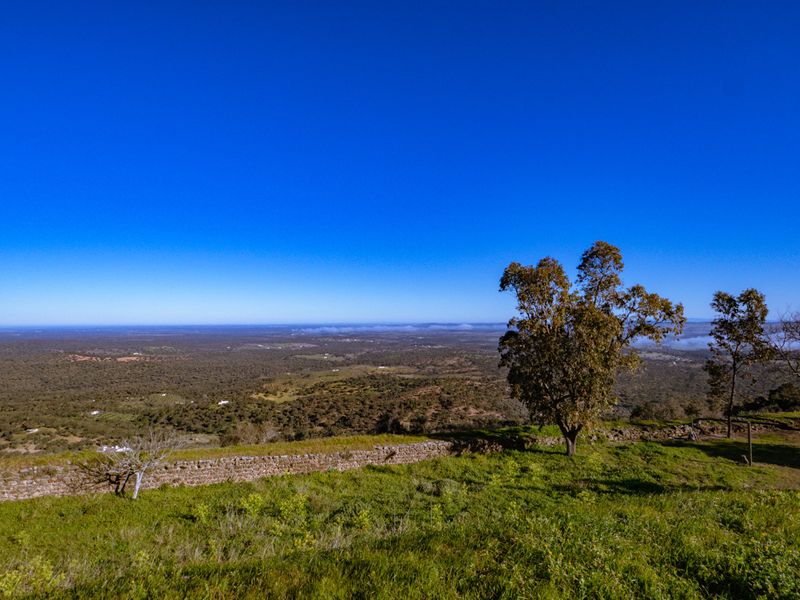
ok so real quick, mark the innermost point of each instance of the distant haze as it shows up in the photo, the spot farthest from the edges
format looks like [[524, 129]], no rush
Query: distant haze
[[695, 335]]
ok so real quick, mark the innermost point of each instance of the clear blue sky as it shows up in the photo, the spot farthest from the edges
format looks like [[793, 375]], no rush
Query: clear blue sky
[[258, 162]]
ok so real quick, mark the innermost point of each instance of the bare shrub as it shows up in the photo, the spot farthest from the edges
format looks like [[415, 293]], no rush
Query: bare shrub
[[133, 458]]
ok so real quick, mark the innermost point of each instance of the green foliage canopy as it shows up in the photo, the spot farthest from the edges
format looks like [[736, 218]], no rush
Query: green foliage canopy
[[568, 343], [739, 340]]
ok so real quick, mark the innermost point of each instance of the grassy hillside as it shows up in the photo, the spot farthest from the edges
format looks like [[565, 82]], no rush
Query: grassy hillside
[[646, 520]]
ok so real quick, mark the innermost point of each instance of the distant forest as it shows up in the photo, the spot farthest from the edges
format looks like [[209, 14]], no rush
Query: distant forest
[[74, 390]]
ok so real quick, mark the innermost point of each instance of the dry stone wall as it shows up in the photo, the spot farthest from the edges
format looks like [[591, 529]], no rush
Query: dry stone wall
[[69, 480]]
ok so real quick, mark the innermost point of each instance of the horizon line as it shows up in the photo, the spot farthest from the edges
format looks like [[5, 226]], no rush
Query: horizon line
[[279, 324]]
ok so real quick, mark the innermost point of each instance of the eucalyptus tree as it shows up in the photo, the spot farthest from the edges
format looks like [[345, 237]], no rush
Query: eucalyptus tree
[[786, 344], [569, 341], [739, 340]]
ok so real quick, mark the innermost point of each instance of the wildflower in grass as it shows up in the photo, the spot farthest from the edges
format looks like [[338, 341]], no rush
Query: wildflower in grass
[[436, 517], [36, 577], [252, 504], [363, 520], [294, 509], [201, 513]]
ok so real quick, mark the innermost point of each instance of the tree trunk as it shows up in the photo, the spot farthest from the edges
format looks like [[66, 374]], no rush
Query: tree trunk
[[729, 420], [730, 401], [572, 442], [570, 438], [139, 475], [121, 488]]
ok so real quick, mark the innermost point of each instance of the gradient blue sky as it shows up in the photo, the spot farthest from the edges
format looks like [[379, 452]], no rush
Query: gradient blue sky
[[258, 162]]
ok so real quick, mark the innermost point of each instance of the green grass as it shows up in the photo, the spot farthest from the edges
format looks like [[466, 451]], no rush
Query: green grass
[[165, 398], [310, 446], [277, 397], [643, 520], [332, 358], [288, 388], [11, 462], [299, 381], [787, 418]]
